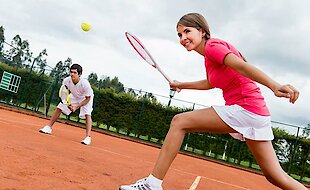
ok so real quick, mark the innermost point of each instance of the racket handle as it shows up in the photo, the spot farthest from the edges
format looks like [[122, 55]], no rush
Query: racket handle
[[172, 92], [167, 78], [164, 74], [177, 90]]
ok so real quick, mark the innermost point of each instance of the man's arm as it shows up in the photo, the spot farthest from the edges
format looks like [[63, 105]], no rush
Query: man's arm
[[73, 108]]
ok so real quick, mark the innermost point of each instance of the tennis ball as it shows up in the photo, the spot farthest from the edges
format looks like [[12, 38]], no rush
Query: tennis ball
[[85, 26]]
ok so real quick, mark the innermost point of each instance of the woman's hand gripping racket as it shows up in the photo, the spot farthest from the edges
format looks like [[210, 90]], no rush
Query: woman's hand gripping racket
[[145, 54]]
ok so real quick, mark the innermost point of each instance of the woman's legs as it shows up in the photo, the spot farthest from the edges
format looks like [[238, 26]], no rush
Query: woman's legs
[[266, 158], [205, 120]]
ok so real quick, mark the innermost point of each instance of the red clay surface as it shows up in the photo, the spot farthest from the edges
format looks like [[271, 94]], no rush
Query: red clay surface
[[32, 160]]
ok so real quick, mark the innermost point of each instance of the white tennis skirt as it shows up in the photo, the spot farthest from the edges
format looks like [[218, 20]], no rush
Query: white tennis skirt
[[248, 125]]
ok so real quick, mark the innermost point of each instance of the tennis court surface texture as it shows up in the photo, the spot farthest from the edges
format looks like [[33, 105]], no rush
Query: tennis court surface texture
[[32, 160]]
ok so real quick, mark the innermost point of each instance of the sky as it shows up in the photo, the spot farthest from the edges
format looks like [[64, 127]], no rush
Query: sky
[[272, 35]]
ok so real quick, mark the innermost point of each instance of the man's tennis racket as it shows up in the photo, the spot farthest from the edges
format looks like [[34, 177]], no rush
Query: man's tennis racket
[[144, 53], [64, 95]]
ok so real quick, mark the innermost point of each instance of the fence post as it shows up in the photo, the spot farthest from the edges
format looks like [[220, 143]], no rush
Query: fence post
[[294, 152], [188, 134], [140, 113]]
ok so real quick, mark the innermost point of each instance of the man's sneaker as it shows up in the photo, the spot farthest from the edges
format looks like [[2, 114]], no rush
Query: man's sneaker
[[86, 141], [140, 184], [46, 129]]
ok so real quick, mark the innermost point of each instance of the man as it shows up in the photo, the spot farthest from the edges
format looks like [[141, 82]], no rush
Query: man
[[81, 96]]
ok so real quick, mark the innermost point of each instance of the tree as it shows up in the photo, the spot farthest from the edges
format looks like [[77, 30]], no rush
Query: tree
[[104, 82], [1, 39], [62, 69], [119, 87], [132, 92], [306, 131], [93, 79], [40, 60], [20, 52]]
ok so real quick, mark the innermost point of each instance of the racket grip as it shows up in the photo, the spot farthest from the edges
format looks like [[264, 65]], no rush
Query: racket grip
[[176, 90], [172, 92]]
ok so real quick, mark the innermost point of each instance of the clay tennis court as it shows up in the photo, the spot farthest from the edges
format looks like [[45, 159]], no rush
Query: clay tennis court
[[32, 160]]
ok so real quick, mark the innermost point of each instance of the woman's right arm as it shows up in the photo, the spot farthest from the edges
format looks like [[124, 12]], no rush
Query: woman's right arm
[[197, 85]]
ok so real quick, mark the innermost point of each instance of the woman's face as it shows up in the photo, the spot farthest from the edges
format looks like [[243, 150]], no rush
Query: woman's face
[[190, 37]]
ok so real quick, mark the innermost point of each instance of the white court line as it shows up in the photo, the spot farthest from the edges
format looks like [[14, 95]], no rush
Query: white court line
[[105, 150], [229, 184], [188, 173], [4, 122], [195, 183], [18, 122], [215, 180], [197, 178]]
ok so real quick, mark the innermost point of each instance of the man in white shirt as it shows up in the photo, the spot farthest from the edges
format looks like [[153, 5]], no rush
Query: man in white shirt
[[81, 96]]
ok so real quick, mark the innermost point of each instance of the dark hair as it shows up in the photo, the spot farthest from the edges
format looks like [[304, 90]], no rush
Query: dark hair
[[197, 21], [77, 67]]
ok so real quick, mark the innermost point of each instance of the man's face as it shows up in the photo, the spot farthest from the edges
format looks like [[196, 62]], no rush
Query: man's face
[[74, 74]]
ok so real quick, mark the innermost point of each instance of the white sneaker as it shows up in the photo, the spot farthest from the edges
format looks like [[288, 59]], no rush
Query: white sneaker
[[141, 184], [46, 129], [86, 141]]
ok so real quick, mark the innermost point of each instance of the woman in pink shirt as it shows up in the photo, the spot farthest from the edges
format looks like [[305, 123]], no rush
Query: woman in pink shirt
[[245, 114]]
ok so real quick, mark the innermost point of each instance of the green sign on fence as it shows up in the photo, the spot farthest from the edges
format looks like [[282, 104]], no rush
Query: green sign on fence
[[10, 82]]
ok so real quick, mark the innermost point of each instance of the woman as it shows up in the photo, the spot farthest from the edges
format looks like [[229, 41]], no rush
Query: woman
[[245, 114]]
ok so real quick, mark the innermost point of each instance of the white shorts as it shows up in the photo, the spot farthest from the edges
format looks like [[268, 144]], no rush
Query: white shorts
[[247, 124], [84, 110]]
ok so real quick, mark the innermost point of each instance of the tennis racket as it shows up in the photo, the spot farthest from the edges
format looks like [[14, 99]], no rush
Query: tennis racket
[[64, 95], [145, 54]]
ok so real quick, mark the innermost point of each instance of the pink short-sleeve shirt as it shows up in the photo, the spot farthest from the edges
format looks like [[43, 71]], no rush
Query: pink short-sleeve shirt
[[236, 88]]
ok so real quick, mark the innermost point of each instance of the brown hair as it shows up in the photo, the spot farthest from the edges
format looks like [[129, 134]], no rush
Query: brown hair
[[197, 21], [77, 67]]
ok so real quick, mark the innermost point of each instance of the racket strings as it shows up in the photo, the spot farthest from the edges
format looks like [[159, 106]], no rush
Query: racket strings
[[140, 48], [144, 53], [64, 95]]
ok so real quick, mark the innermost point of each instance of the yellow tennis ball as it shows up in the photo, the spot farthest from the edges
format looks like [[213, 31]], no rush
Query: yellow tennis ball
[[85, 26]]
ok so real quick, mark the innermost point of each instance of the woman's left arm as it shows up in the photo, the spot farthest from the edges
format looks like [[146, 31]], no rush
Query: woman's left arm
[[253, 73]]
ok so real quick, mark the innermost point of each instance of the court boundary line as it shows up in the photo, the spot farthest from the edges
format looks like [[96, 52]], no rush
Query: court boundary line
[[195, 183]]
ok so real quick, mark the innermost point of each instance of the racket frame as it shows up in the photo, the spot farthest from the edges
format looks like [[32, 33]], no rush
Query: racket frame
[[130, 36], [67, 100]]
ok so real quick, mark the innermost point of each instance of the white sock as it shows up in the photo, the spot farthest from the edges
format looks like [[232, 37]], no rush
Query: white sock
[[154, 181]]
